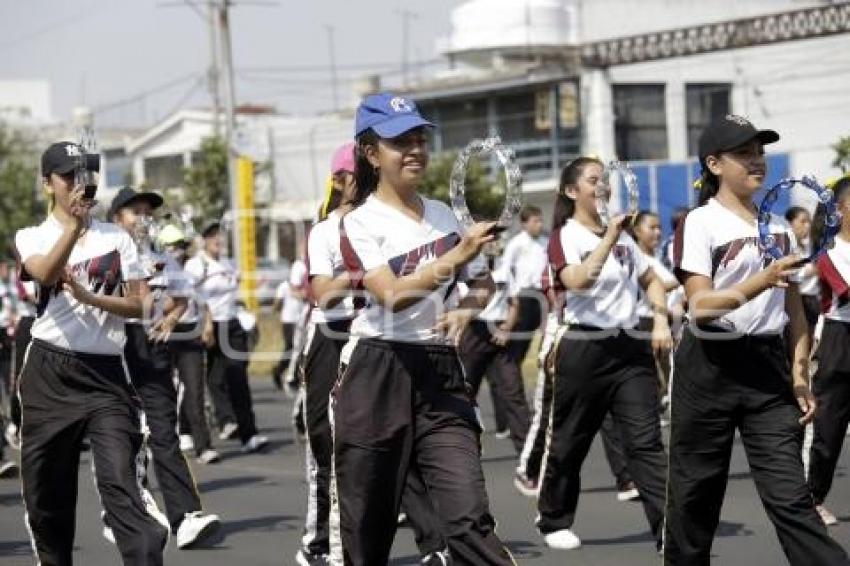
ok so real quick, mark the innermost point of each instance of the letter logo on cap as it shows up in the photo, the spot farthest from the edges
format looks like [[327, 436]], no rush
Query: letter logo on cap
[[740, 120], [400, 104], [72, 150]]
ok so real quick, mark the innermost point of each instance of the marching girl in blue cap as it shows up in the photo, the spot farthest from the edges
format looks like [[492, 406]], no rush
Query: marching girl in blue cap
[[401, 400]]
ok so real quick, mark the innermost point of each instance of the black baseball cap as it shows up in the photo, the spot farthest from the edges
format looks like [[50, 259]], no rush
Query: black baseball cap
[[63, 157], [730, 132], [210, 228], [127, 196]]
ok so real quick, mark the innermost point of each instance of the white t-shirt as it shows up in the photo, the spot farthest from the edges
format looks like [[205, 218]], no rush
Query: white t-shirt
[[24, 306], [664, 274], [167, 279], [809, 284], [719, 244], [325, 259], [525, 257], [611, 301], [377, 234], [217, 284], [497, 309], [102, 259], [834, 274], [292, 306]]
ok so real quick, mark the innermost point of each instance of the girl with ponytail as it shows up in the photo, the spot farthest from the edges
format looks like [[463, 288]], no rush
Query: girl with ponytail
[[600, 365], [732, 368]]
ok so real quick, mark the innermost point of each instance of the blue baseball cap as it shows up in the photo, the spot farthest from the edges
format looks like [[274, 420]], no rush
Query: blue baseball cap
[[389, 115]]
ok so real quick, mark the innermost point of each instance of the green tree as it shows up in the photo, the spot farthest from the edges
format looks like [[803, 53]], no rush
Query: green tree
[[484, 198], [842, 154], [20, 204], [206, 180]]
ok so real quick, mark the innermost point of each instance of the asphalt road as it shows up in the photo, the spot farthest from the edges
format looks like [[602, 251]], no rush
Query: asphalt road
[[261, 499]]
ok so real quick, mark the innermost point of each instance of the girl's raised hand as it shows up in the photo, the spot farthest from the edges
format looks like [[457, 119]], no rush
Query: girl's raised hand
[[481, 233], [778, 272], [615, 226]]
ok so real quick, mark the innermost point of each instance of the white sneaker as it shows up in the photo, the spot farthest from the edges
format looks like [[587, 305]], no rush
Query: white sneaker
[[108, 534], [564, 539], [13, 436], [8, 469], [228, 431], [209, 456], [502, 434], [826, 515], [153, 510], [187, 443], [627, 492], [195, 528], [525, 486], [255, 444]]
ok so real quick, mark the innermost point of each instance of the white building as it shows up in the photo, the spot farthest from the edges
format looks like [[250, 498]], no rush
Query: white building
[[638, 79], [297, 148], [25, 102]]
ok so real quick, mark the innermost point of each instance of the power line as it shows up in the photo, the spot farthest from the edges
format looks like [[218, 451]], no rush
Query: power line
[[84, 13], [145, 93]]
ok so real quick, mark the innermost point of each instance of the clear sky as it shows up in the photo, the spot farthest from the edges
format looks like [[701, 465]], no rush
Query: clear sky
[[107, 53]]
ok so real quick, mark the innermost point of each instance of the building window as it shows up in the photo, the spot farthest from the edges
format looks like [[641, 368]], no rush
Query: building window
[[518, 116], [462, 121], [164, 172], [640, 122], [704, 103], [118, 166]]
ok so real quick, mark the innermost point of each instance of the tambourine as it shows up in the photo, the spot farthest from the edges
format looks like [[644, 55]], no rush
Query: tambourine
[[513, 177], [832, 220], [603, 191]]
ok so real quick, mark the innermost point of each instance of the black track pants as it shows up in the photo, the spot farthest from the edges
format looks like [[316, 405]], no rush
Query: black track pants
[[64, 397], [720, 386], [398, 405]]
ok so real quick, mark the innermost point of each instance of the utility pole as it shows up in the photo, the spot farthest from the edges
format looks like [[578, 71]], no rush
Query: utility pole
[[332, 53], [223, 21], [406, 16], [213, 78]]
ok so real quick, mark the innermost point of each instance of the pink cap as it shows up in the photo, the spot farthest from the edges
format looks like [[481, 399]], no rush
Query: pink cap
[[343, 159]]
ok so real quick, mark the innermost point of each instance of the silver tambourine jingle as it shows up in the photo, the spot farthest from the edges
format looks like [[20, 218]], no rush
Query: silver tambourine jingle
[[605, 188], [513, 178]]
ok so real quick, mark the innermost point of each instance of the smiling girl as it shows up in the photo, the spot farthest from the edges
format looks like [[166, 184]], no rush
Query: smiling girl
[[401, 401], [600, 366], [731, 368]]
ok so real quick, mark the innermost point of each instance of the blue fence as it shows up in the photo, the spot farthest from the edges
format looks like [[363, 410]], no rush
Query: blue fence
[[666, 186]]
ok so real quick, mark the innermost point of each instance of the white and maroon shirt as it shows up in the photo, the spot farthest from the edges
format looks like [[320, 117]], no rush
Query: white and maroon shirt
[[715, 242], [325, 258], [376, 234], [103, 258], [834, 276], [217, 284], [611, 301]]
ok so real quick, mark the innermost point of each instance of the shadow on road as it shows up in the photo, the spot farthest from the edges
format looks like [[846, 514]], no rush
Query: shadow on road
[[225, 483], [265, 524]]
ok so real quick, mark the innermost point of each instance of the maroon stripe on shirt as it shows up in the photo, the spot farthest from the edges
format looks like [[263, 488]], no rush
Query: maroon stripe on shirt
[[831, 281], [557, 258]]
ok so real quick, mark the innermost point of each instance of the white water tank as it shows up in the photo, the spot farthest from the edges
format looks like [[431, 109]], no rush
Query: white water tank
[[511, 26]]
